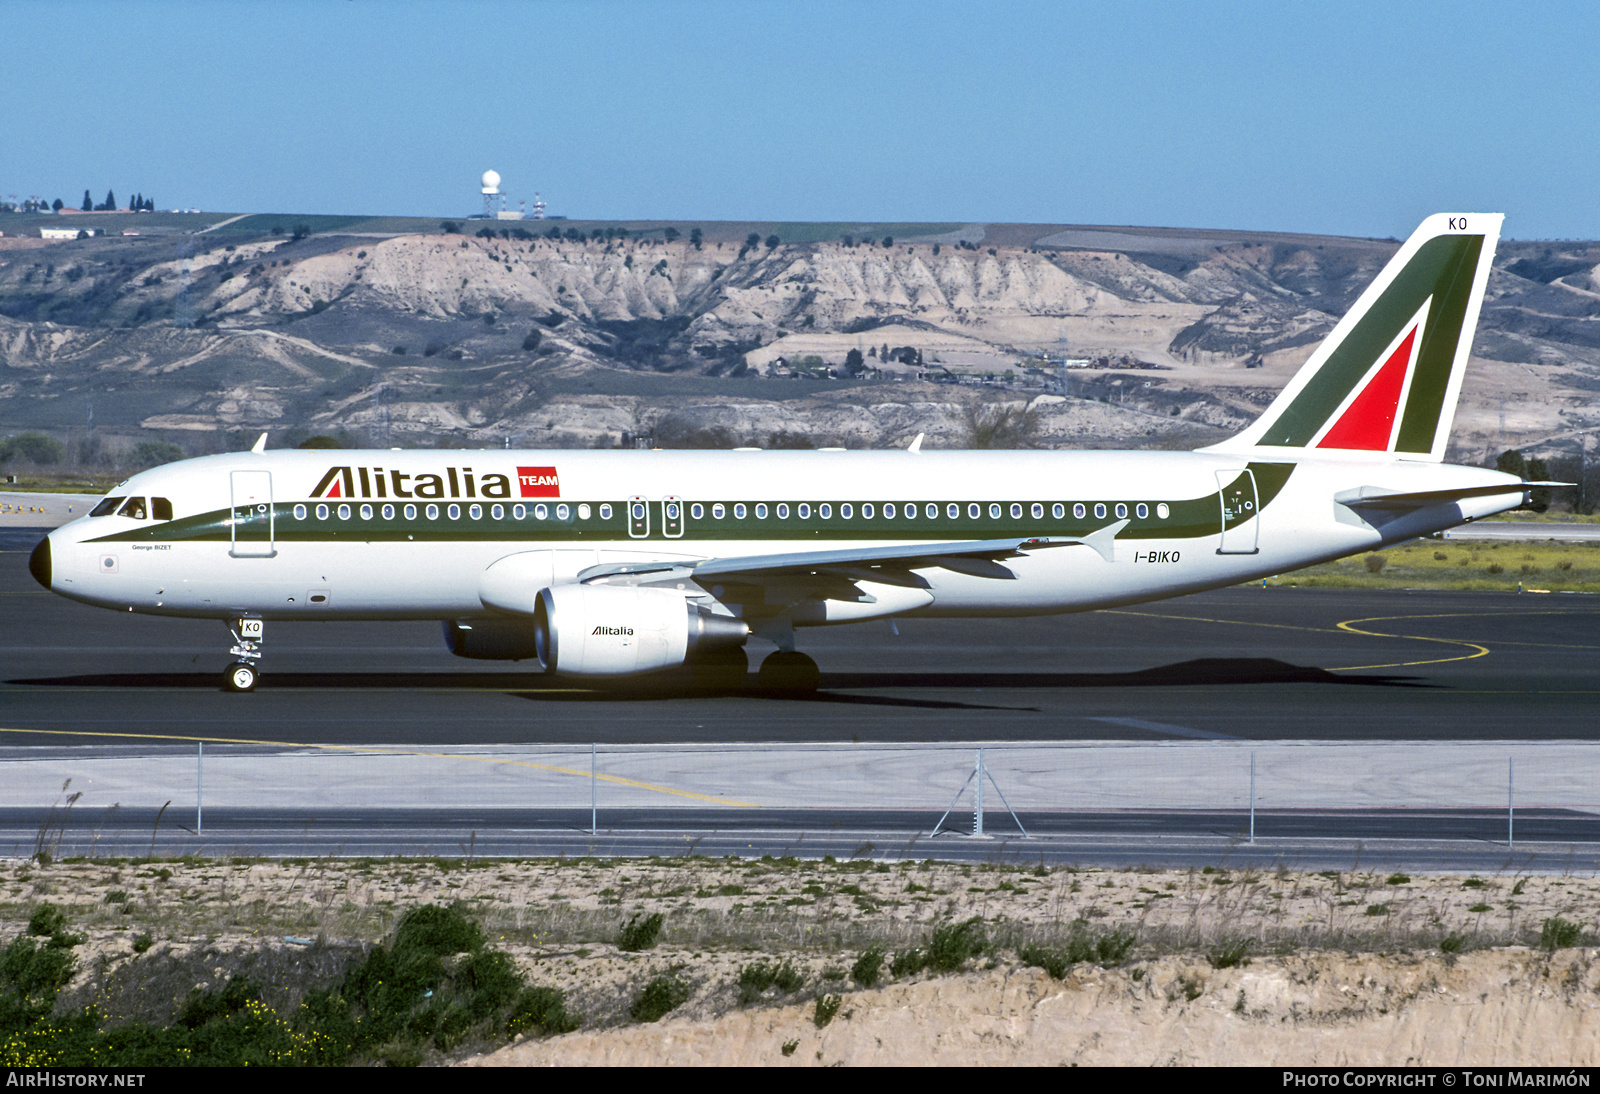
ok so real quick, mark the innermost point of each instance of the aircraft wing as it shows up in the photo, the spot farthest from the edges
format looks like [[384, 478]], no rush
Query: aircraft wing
[[890, 565]]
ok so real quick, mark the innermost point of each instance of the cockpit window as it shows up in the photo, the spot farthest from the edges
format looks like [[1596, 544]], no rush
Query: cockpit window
[[160, 509], [106, 507], [133, 507]]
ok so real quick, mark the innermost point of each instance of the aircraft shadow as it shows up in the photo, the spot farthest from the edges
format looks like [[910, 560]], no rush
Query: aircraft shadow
[[836, 687]]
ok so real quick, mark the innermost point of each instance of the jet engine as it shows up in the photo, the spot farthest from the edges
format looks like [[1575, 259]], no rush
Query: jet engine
[[609, 630]]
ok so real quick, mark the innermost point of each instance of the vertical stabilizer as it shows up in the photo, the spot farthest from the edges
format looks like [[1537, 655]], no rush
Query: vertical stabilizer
[[1387, 378]]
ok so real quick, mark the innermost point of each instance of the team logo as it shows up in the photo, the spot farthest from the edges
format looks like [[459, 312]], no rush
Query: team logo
[[620, 632], [538, 482]]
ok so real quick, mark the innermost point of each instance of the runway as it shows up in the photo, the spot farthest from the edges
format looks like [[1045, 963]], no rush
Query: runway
[[1236, 670]]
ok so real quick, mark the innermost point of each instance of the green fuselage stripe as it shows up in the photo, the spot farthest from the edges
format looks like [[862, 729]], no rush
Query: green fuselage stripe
[[1191, 518]]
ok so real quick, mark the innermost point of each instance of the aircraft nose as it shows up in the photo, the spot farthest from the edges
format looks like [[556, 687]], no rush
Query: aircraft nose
[[39, 562]]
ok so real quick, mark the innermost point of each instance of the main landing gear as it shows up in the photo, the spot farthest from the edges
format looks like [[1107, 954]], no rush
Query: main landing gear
[[245, 672]]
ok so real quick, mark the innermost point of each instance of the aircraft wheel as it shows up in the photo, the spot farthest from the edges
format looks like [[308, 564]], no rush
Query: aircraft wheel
[[721, 669], [787, 671], [241, 676]]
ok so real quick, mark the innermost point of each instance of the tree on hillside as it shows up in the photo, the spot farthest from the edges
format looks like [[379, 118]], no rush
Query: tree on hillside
[[753, 239], [1512, 462], [695, 238], [111, 201], [88, 202], [57, 205], [671, 234], [772, 241], [34, 448], [854, 363]]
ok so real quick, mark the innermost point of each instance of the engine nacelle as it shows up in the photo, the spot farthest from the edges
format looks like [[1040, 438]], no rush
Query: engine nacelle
[[492, 639], [611, 630]]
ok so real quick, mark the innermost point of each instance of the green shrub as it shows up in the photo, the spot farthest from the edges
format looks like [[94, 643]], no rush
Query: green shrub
[[827, 1007], [1559, 934], [908, 962], [754, 979], [1083, 945], [868, 968], [662, 995], [788, 978], [1452, 943], [1377, 909], [541, 1010], [950, 945], [1398, 879], [1230, 953], [640, 933]]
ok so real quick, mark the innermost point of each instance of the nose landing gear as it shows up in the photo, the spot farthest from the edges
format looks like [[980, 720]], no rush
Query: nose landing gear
[[244, 673]]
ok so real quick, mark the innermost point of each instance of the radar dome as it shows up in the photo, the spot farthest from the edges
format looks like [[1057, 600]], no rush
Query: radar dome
[[491, 181]]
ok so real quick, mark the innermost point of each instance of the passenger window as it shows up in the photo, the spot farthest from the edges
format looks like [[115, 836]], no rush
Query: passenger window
[[846, 511], [739, 510], [1079, 511], [411, 512], [783, 510], [366, 512], [475, 511], [605, 512], [974, 510], [1058, 510], [388, 512], [1038, 511], [1122, 510], [1016, 511], [952, 510], [322, 512], [888, 510], [542, 512], [1099, 510], [804, 511], [455, 512], [866, 511], [344, 512], [520, 512], [133, 507], [824, 510], [718, 511], [1162, 511], [583, 512], [498, 512], [994, 512], [931, 510], [299, 512], [761, 510], [432, 512], [106, 507], [160, 509], [563, 511], [697, 511]]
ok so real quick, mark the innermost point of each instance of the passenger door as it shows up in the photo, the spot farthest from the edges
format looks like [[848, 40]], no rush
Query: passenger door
[[252, 523]]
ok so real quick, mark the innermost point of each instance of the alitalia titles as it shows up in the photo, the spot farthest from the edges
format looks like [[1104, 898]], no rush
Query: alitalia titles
[[456, 482], [619, 632]]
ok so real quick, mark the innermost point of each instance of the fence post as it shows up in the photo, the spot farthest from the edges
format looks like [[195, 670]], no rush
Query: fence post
[[594, 808], [1252, 795], [1511, 801], [977, 801], [199, 786]]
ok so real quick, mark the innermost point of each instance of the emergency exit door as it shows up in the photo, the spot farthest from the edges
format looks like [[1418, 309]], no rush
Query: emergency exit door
[[1236, 491], [252, 523]]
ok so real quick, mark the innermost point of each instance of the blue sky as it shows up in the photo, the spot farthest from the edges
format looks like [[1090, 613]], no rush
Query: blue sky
[[1342, 118]]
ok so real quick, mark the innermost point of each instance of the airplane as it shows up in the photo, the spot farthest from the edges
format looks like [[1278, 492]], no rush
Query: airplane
[[606, 563]]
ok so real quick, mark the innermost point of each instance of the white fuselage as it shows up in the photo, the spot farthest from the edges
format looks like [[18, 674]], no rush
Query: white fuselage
[[370, 535]]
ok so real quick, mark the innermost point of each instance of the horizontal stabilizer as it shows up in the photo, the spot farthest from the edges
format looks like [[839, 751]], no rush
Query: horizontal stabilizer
[[1377, 497]]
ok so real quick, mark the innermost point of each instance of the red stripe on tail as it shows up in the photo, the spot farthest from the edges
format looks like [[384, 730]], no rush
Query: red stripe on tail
[[1368, 422]]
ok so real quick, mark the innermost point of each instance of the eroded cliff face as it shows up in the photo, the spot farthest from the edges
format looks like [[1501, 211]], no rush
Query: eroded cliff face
[[444, 337]]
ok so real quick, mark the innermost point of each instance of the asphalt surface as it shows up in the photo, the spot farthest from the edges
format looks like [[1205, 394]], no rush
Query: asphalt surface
[[1240, 665]]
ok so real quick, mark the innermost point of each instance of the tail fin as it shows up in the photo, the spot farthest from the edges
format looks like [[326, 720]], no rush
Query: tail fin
[[1388, 376]]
